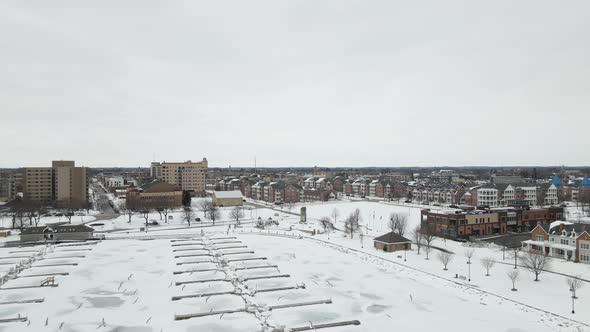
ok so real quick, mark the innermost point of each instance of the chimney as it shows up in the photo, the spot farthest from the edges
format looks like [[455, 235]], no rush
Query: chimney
[[561, 227]]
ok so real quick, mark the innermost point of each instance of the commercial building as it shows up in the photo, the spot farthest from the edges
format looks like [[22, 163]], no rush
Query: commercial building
[[154, 195], [63, 184], [463, 224], [228, 198], [188, 176]]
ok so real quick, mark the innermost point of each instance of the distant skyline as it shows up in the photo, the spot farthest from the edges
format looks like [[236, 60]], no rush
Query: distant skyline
[[295, 83]]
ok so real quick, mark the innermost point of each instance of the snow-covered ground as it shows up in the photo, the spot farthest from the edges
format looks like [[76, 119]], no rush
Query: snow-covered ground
[[130, 282], [129, 285]]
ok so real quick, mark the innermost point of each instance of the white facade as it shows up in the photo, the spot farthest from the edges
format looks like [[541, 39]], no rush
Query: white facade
[[487, 196], [113, 182], [551, 197]]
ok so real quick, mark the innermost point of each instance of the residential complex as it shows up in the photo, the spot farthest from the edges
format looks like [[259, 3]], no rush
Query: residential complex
[[62, 185], [188, 176], [567, 241], [10, 185]]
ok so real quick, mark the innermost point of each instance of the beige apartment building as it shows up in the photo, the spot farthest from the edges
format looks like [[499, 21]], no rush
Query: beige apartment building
[[188, 175], [62, 184]]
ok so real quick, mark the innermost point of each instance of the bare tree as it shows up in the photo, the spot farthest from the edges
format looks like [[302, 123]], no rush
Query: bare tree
[[70, 208], [145, 214], [236, 214], [417, 238], [17, 211], [129, 212], [445, 258], [575, 283], [40, 211], [427, 250], [398, 223], [352, 223], [469, 254], [213, 211], [335, 215], [326, 223], [514, 254], [188, 215], [535, 263], [513, 276], [488, 263], [203, 206], [427, 233]]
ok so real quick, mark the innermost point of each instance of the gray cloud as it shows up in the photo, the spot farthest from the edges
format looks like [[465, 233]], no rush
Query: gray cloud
[[350, 83]]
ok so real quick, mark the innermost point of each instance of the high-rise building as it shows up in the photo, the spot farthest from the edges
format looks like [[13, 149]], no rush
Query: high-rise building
[[62, 184], [156, 170], [10, 185], [188, 175]]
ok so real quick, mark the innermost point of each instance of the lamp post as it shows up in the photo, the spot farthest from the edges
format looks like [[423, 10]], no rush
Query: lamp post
[[573, 299], [405, 252], [469, 268]]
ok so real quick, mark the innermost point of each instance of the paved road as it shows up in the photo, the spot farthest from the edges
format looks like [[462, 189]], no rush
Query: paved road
[[102, 204]]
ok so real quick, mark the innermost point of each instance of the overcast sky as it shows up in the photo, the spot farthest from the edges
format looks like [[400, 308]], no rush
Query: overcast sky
[[295, 83]]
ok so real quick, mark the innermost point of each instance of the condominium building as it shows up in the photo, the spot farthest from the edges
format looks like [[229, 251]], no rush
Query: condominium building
[[62, 184], [156, 170], [188, 176], [10, 185], [38, 184]]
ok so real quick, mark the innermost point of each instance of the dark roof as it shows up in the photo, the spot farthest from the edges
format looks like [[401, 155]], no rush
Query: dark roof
[[577, 228], [58, 229], [294, 185], [278, 185], [158, 186], [391, 238]]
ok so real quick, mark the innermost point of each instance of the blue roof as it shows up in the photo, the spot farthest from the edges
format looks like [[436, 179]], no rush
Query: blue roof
[[585, 181], [556, 180]]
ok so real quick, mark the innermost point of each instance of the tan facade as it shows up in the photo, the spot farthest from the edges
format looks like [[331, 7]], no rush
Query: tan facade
[[154, 196], [154, 200], [189, 176], [63, 184], [38, 184], [481, 218]]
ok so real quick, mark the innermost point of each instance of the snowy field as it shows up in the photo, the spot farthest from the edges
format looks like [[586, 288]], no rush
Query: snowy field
[[130, 283]]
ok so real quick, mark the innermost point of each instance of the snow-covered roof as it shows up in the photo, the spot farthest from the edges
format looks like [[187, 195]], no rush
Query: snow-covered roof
[[228, 194], [559, 222]]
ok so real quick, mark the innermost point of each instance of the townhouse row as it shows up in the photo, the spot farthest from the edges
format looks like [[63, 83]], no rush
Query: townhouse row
[[566, 241]]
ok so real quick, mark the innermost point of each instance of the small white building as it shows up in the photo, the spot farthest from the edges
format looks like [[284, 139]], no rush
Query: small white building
[[114, 182]]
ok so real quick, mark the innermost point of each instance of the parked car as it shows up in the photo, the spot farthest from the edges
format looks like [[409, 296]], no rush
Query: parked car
[[408, 201], [154, 223], [197, 219]]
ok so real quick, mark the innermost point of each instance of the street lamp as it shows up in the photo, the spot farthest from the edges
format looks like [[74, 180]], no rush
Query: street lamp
[[469, 268], [573, 299], [405, 252]]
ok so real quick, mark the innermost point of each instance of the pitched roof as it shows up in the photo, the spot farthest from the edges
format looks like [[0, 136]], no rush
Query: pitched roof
[[158, 186], [391, 237], [228, 194]]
